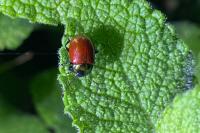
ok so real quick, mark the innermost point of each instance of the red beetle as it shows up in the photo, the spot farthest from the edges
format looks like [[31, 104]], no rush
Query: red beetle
[[81, 56]]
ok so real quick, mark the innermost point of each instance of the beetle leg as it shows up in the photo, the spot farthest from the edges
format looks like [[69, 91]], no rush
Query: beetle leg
[[68, 40], [67, 44]]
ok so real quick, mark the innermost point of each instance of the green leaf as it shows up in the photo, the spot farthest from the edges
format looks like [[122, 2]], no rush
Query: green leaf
[[190, 33], [43, 11], [13, 32], [14, 121], [183, 115], [48, 102], [140, 67]]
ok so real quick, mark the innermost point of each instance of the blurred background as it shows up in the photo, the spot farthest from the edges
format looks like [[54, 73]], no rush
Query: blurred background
[[30, 97]]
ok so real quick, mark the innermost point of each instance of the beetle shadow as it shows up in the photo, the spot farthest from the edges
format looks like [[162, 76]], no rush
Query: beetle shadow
[[107, 39], [108, 42]]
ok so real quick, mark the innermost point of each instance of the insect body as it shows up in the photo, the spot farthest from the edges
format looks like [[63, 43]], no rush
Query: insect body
[[81, 55]]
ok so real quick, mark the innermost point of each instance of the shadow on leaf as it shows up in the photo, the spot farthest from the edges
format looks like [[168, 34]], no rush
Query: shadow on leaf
[[108, 42]]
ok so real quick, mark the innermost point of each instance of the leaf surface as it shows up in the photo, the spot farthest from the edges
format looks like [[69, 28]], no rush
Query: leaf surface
[[13, 32], [183, 115], [140, 67]]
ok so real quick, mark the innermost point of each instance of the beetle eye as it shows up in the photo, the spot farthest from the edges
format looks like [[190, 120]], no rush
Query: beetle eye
[[80, 74]]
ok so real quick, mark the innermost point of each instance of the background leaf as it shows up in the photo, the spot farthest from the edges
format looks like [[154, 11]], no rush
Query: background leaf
[[13, 32], [14, 121], [43, 11], [183, 115], [48, 102]]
